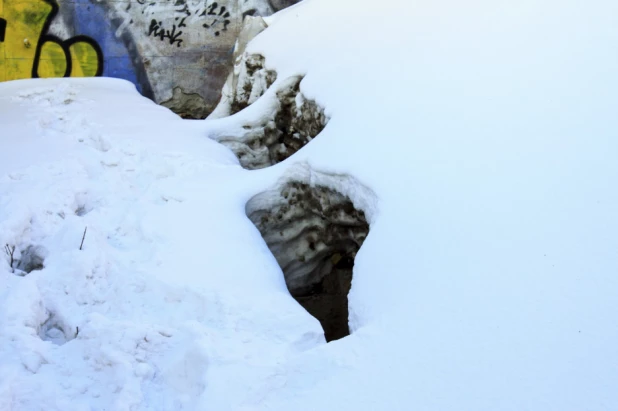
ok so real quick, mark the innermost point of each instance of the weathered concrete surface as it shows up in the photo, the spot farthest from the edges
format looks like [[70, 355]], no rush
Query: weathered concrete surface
[[172, 50]]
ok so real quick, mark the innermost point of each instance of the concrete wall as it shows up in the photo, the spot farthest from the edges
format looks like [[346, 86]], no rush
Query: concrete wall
[[177, 52]]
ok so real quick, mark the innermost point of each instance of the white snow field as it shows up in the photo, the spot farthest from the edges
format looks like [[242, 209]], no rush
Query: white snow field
[[482, 140]]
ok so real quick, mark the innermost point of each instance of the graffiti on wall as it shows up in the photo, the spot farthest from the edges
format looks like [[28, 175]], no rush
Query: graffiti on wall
[[2, 29], [31, 51], [215, 18], [176, 52]]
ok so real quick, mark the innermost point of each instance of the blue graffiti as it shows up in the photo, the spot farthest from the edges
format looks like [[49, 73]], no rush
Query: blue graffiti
[[121, 57]]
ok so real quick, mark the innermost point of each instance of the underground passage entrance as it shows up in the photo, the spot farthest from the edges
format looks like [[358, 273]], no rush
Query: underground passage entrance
[[314, 232]]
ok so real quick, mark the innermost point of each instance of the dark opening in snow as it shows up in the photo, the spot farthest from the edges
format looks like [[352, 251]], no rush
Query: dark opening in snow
[[314, 232], [30, 259]]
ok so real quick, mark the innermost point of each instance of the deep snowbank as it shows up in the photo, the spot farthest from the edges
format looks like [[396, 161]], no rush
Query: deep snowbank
[[173, 282], [486, 133]]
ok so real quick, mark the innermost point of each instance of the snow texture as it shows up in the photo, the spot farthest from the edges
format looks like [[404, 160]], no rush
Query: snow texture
[[485, 137]]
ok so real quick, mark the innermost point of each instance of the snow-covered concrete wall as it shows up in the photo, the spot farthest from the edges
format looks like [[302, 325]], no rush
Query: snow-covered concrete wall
[[177, 52]]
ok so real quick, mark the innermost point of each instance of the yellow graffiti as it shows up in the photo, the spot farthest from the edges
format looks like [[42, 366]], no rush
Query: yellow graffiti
[[27, 50], [84, 60]]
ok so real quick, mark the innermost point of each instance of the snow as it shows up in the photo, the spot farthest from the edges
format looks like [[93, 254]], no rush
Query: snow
[[487, 135], [158, 298]]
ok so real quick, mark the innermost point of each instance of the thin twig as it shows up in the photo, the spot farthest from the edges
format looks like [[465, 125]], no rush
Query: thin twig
[[83, 238], [10, 251]]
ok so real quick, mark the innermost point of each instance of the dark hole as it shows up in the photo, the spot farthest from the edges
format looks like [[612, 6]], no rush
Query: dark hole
[[328, 302], [314, 240], [32, 259]]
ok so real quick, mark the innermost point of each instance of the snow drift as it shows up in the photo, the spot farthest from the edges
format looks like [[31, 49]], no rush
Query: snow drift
[[483, 138]]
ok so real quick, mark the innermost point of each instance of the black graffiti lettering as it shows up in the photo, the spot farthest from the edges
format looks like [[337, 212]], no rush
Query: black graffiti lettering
[[46, 38], [220, 18], [214, 17], [156, 30], [173, 36], [2, 29], [185, 10]]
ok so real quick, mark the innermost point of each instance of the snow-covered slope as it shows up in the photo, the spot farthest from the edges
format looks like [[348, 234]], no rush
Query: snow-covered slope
[[481, 140], [172, 303]]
